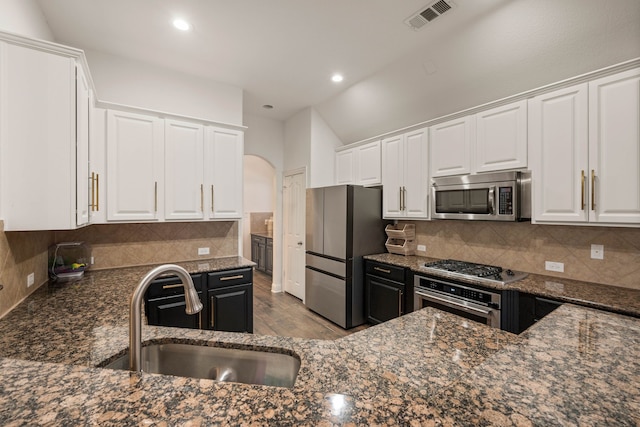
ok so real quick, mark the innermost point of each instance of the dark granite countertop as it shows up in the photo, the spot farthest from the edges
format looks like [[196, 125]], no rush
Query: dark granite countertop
[[611, 298], [577, 366]]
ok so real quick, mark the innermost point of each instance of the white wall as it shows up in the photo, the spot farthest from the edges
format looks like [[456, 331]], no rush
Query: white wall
[[265, 138], [24, 17], [129, 82], [322, 156], [259, 180], [297, 141]]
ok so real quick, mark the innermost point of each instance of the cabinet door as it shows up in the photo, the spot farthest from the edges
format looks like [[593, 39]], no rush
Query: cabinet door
[[559, 154], [392, 176], [170, 311], [184, 175], [368, 170], [268, 259], [384, 299], [38, 161], [82, 147], [223, 189], [451, 147], [614, 148], [415, 175], [501, 138], [231, 309], [345, 162], [97, 162], [135, 160]]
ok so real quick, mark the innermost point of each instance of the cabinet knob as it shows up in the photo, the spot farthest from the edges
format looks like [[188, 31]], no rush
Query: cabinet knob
[[299, 243]]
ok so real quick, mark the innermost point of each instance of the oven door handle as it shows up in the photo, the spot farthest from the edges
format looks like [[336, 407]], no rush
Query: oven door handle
[[452, 302]]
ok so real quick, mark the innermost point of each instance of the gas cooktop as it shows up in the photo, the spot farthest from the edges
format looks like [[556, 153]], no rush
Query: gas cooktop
[[470, 270]]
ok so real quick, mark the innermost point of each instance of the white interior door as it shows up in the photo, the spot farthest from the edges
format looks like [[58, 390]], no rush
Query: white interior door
[[294, 202]]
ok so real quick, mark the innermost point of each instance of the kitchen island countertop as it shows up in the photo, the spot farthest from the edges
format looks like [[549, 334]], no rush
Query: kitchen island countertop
[[576, 366]]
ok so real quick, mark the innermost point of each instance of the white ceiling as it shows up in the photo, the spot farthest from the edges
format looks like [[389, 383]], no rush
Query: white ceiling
[[282, 52]]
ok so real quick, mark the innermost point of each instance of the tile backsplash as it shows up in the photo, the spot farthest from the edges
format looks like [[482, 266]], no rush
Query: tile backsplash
[[525, 246], [112, 245]]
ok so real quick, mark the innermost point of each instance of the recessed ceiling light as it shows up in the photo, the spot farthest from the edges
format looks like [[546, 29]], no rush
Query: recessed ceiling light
[[181, 24], [337, 78]]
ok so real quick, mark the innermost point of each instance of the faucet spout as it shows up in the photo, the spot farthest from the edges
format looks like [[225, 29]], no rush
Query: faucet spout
[[193, 306]]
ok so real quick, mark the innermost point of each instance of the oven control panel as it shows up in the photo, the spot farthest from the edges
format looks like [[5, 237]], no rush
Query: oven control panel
[[486, 298]]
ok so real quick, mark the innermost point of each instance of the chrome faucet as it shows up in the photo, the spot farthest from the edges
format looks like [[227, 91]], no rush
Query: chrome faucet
[[135, 315]]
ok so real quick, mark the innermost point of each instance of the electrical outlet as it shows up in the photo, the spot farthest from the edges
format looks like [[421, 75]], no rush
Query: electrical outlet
[[31, 278], [422, 248], [597, 251], [554, 266], [203, 251], [93, 260]]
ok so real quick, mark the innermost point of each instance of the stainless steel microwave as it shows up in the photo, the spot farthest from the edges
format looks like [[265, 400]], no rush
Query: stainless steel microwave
[[498, 196]]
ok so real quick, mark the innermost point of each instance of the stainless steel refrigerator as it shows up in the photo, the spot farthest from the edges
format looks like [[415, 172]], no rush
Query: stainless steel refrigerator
[[344, 223]]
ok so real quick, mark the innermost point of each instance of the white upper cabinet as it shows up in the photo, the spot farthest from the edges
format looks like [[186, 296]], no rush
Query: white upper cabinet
[[614, 148], [38, 131], [404, 176], [360, 165], [501, 138], [135, 163], [83, 183], [184, 170], [224, 152], [97, 162], [559, 154], [585, 152], [345, 164], [451, 147]]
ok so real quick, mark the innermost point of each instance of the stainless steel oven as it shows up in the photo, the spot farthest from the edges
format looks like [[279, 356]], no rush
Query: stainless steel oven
[[477, 304]]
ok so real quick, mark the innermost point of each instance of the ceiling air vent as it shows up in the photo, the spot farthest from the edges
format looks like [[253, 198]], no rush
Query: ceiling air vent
[[431, 12]]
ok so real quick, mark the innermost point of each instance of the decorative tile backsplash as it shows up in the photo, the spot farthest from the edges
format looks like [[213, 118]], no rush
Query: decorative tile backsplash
[[112, 245], [525, 246]]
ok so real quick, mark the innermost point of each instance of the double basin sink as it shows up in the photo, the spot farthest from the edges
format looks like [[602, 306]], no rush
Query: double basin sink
[[215, 363]]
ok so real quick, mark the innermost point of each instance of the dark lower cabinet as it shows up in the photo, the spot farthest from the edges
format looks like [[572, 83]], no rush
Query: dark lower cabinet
[[226, 296], [170, 311], [533, 308], [231, 309], [388, 291], [230, 295], [262, 253]]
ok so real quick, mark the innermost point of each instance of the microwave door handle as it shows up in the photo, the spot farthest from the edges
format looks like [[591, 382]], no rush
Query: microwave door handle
[[492, 200]]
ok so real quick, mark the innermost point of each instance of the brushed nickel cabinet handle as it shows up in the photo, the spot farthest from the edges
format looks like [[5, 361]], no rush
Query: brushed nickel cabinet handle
[[400, 197], [400, 303], [92, 205], [213, 317], [179, 285], [200, 320], [582, 203], [382, 270], [239, 276], [593, 190], [155, 196], [97, 192], [201, 197]]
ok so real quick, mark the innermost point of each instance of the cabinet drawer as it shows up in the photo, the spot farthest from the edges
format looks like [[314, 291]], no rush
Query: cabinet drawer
[[389, 272], [172, 285], [258, 240], [220, 279]]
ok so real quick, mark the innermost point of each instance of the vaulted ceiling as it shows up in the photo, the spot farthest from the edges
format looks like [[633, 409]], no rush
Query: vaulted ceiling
[[282, 52]]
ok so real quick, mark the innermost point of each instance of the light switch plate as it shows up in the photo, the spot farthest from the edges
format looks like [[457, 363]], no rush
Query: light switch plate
[[554, 266], [203, 251], [31, 278], [597, 251], [422, 248]]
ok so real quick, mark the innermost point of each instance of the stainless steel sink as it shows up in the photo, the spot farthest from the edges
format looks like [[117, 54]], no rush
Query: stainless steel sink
[[220, 364]]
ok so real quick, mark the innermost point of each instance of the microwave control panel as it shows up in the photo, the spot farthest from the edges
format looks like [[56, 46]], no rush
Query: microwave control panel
[[505, 201]]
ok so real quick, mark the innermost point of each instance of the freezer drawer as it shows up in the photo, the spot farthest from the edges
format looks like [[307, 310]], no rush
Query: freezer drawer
[[327, 296], [337, 268]]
